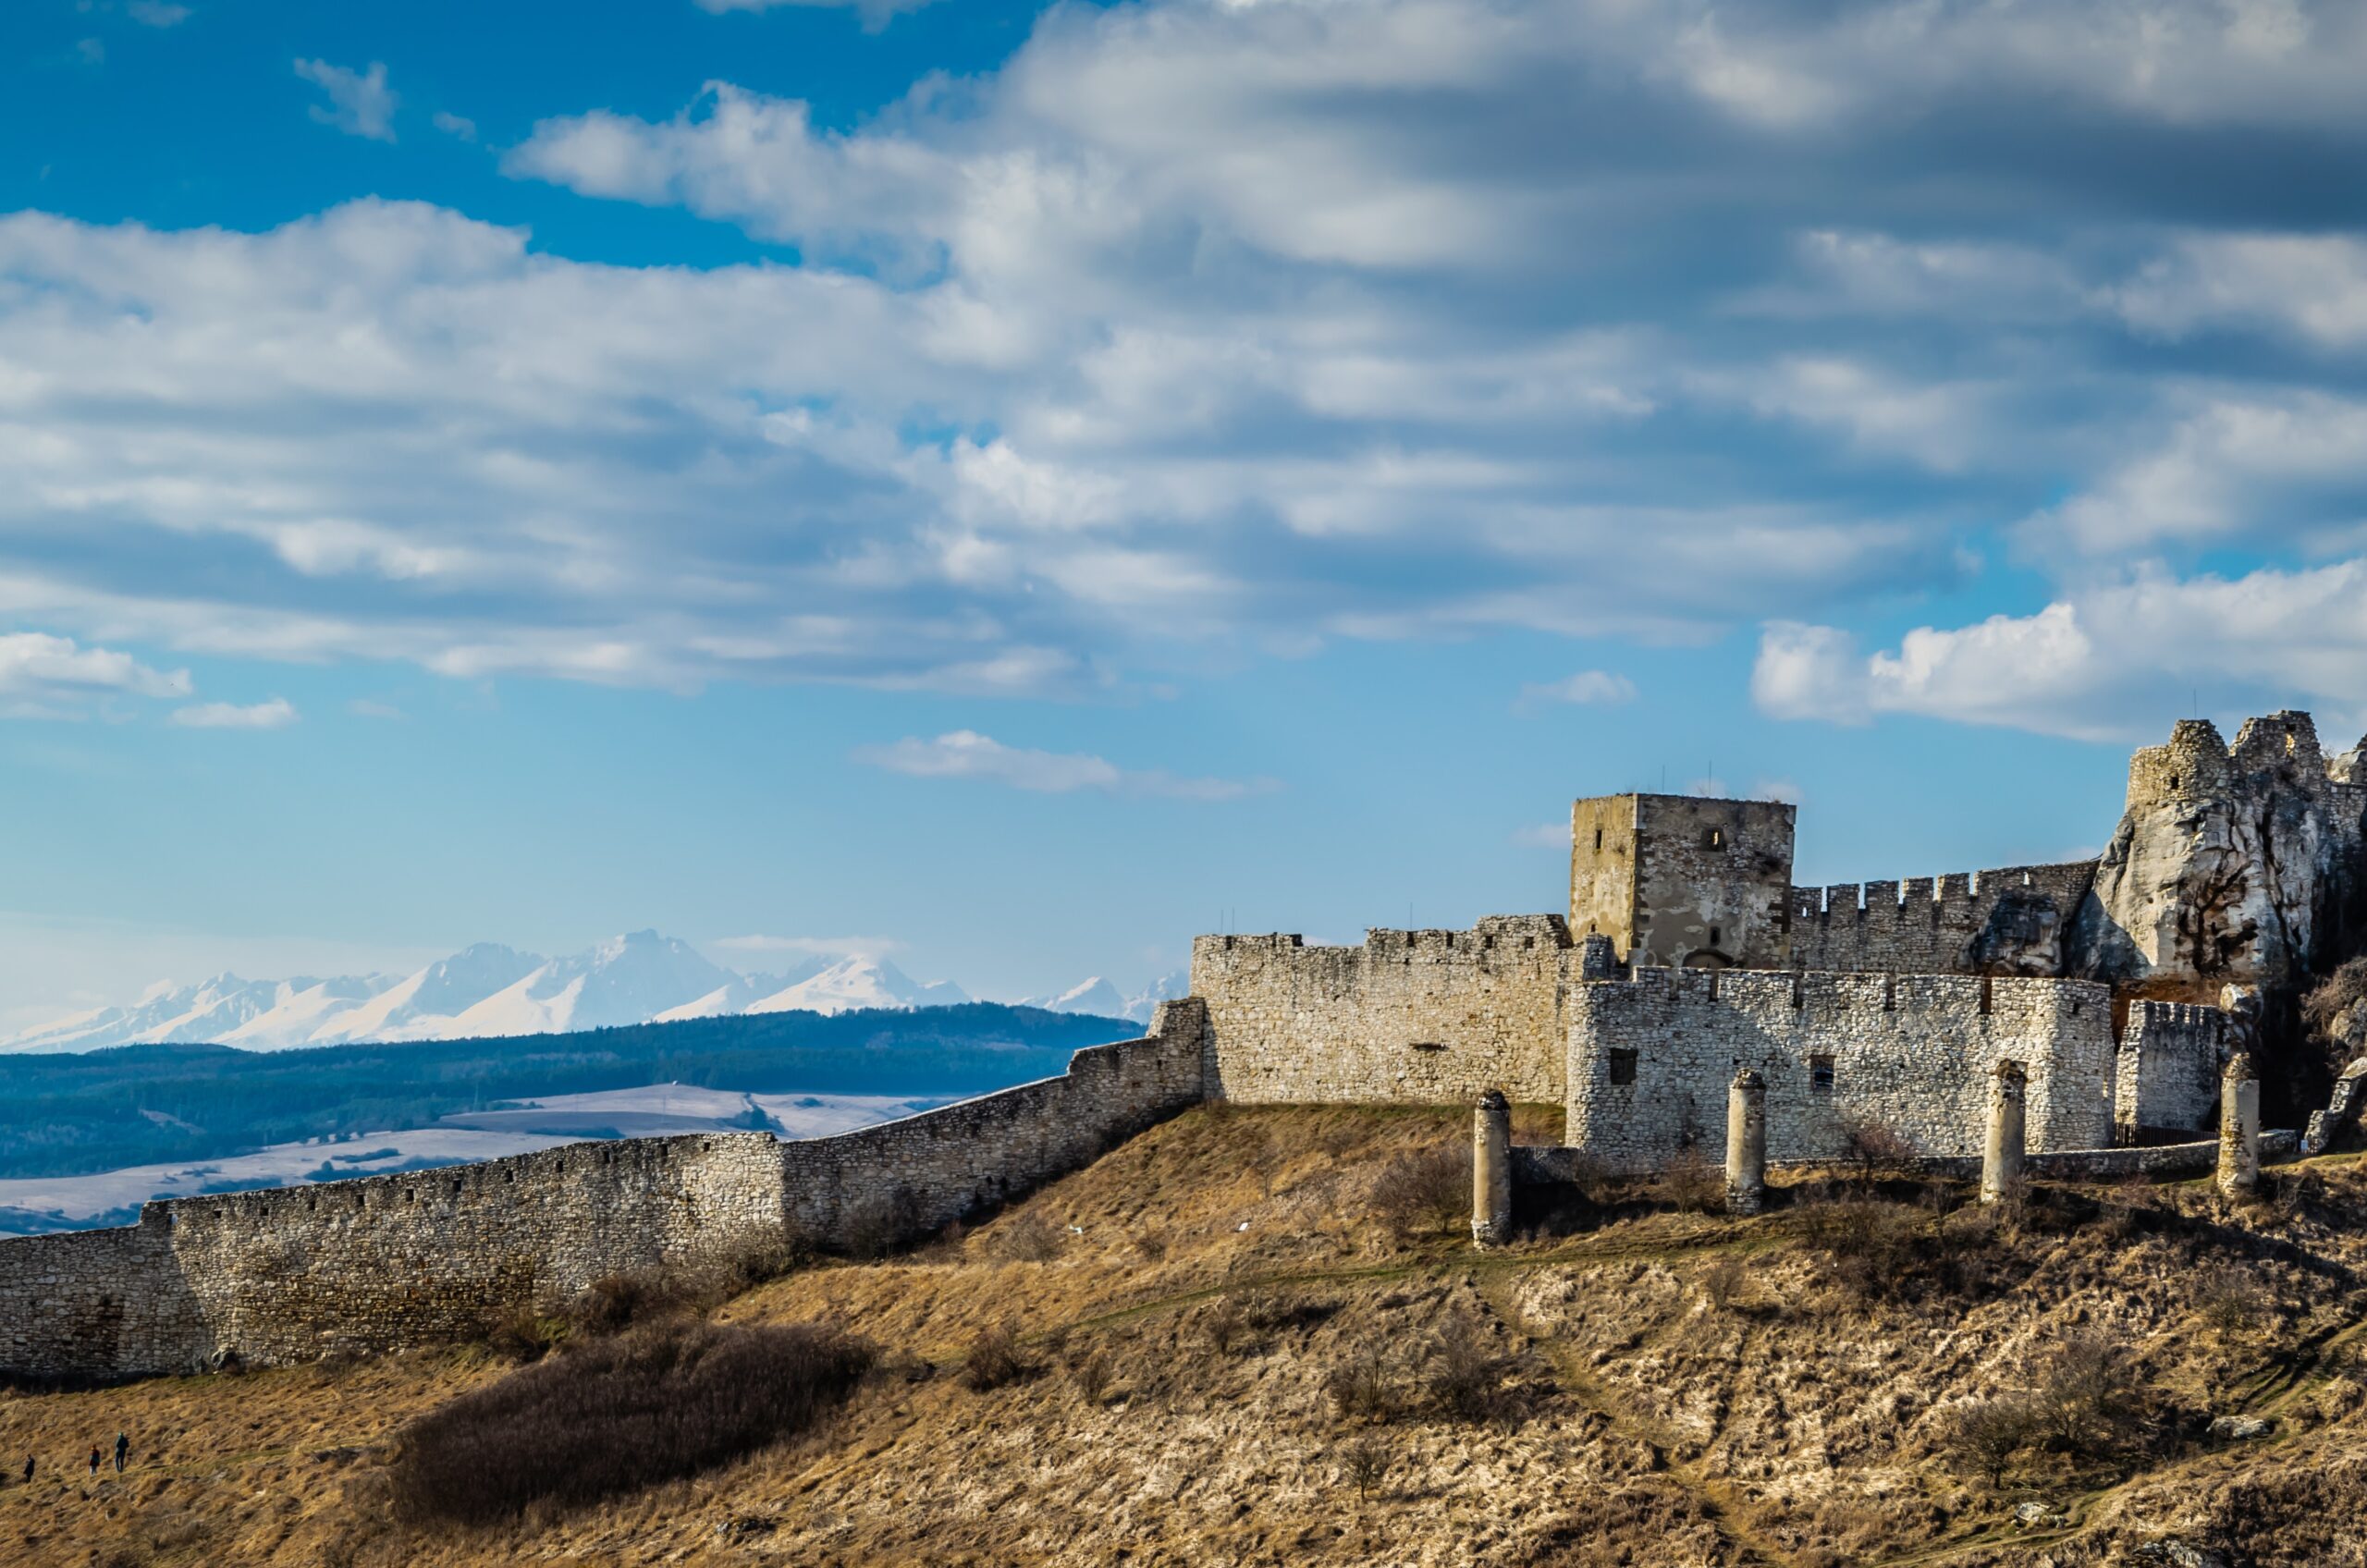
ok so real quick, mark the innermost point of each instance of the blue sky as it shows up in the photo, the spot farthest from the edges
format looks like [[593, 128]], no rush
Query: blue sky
[[1025, 486]]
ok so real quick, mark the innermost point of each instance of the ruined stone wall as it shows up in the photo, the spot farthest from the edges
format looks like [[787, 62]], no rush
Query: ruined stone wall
[[2009, 921], [904, 1178], [1650, 1059], [1410, 1017], [2167, 1080], [416, 1256]]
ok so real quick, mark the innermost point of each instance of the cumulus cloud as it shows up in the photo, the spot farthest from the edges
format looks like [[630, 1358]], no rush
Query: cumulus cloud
[[277, 714], [965, 754], [2100, 665], [451, 124], [47, 677], [1200, 327], [360, 103]]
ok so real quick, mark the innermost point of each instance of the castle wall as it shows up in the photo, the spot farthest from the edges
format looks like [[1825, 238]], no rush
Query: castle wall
[[1410, 1017], [417, 1257], [2009, 921], [1910, 1054], [2167, 1078], [908, 1177]]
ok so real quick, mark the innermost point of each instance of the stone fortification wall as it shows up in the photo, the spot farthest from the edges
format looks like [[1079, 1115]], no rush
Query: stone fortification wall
[[2010, 921], [904, 1178], [1410, 1017], [1650, 1059], [2167, 1080], [384, 1261], [1541, 1166]]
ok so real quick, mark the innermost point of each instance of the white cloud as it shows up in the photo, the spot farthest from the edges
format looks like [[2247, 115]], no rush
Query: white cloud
[[360, 103], [156, 13], [875, 14], [35, 667], [453, 124], [965, 754], [277, 714], [1586, 687], [2102, 664]]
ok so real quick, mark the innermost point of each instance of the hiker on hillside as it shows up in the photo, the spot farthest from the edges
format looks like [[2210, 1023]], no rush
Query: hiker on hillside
[[29, 1469], [122, 1448], [94, 1460]]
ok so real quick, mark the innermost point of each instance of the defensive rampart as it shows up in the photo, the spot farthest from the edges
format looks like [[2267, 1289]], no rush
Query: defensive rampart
[[2010, 921], [1651, 1060], [386, 1261], [1410, 1017]]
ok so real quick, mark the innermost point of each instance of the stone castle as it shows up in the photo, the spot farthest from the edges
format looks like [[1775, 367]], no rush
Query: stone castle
[[2101, 1002]]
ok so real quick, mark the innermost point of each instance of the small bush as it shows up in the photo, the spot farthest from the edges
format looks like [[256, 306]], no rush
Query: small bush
[[2088, 1399], [1983, 1437], [617, 1415], [1363, 1462], [2227, 1303], [1361, 1387], [1426, 1192], [1690, 1184], [1028, 1238], [1873, 1150], [875, 1222], [1089, 1375], [526, 1335], [1225, 1324], [1464, 1376], [1723, 1279], [994, 1361]]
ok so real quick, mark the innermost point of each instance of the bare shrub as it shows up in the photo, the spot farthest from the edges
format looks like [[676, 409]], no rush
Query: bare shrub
[[1873, 1150], [2227, 1303], [1151, 1247], [2332, 1034], [1723, 1279], [994, 1360], [618, 1415], [1089, 1375], [1361, 1387], [1463, 1375], [1225, 1324], [1984, 1436], [2087, 1398], [526, 1335], [1690, 1184], [1028, 1238], [1427, 1191], [875, 1222], [1365, 1462]]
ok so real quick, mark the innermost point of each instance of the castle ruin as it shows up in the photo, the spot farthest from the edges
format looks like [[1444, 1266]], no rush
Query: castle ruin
[[2057, 1019]]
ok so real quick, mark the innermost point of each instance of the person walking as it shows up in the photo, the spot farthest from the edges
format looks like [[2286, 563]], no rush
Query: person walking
[[94, 1461], [122, 1448]]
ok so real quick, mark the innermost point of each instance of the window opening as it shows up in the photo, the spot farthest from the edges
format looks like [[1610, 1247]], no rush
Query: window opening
[[1623, 1066], [1820, 1074]]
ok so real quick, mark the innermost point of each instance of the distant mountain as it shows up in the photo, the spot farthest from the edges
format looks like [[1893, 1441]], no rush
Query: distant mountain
[[1166, 988], [485, 991], [854, 982], [1100, 998]]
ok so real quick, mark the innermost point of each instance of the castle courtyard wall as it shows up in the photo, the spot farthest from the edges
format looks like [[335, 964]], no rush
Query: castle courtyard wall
[[1408, 1018], [1651, 1060], [2009, 921]]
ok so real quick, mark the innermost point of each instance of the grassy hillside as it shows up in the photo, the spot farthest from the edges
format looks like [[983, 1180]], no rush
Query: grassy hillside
[[1223, 1351], [62, 1115]]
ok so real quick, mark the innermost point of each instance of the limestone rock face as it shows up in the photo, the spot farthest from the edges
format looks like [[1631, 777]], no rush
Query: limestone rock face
[[2226, 862]]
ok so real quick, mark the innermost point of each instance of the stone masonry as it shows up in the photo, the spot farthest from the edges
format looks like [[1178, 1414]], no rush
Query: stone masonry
[[287, 1275], [1651, 1060]]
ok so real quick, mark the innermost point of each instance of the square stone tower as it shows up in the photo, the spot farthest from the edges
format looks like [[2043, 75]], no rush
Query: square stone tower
[[1684, 880]]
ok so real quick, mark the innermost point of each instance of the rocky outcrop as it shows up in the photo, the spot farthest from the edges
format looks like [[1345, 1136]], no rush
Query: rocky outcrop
[[2228, 863]]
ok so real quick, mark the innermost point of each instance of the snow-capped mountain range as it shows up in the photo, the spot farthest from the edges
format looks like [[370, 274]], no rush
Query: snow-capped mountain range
[[492, 990]]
